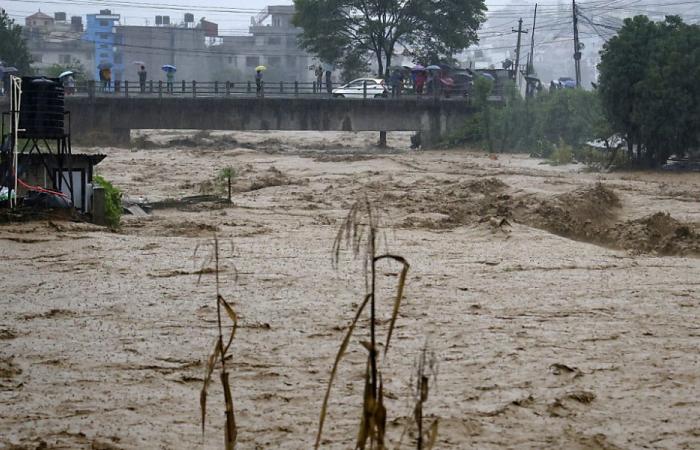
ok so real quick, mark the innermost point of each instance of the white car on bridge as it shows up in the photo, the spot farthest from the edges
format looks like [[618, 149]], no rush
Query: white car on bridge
[[355, 89]]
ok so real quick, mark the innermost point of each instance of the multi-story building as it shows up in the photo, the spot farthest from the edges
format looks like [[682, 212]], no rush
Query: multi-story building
[[183, 46], [272, 42], [100, 32], [53, 40]]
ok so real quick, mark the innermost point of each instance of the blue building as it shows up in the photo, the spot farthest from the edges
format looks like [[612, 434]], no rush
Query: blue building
[[101, 30]]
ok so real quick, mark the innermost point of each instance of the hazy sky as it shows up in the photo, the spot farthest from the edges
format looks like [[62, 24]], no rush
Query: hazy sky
[[233, 16]]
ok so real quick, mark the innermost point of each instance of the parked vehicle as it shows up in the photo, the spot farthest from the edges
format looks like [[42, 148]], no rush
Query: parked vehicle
[[356, 89]]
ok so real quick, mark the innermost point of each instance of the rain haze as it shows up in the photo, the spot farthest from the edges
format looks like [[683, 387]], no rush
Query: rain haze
[[321, 224]]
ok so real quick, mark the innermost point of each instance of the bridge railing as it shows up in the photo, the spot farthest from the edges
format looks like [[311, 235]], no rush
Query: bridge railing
[[193, 88]]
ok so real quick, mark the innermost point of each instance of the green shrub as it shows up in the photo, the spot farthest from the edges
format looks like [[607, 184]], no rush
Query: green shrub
[[113, 201], [562, 154]]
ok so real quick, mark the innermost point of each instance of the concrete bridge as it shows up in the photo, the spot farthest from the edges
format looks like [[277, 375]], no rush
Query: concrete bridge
[[109, 120]]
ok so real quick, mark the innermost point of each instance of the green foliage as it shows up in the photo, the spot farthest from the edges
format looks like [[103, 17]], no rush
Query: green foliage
[[649, 87], [226, 175], [334, 29], [13, 48], [354, 65], [113, 201], [538, 126], [78, 69], [561, 154]]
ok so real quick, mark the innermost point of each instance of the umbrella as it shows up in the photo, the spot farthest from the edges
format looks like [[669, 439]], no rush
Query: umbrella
[[488, 76], [407, 67], [105, 65], [65, 74], [169, 68], [8, 69], [418, 68], [260, 68], [138, 63], [433, 67]]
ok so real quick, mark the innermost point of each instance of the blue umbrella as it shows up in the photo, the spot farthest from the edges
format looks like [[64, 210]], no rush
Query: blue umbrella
[[418, 68], [433, 67], [105, 65], [169, 68]]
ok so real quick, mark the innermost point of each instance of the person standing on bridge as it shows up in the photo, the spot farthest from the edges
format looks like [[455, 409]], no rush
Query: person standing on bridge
[[170, 77], [396, 80], [258, 81], [319, 77], [142, 79], [329, 83]]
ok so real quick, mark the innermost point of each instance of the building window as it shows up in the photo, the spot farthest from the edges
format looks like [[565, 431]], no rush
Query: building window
[[291, 61], [64, 59], [37, 58], [276, 22], [104, 36], [252, 61], [230, 59], [104, 55], [118, 58], [274, 61], [104, 46], [274, 40], [104, 23]]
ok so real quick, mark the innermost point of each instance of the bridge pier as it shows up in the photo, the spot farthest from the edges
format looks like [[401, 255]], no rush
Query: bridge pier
[[119, 137]]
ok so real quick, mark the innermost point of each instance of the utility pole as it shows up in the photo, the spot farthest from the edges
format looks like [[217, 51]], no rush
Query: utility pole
[[531, 59], [530, 69], [520, 31], [577, 46]]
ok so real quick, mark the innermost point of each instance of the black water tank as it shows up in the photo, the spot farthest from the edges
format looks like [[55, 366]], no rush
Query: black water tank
[[42, 107]]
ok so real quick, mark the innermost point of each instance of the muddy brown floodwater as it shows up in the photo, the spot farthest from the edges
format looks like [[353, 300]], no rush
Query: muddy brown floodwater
[[563, 306]]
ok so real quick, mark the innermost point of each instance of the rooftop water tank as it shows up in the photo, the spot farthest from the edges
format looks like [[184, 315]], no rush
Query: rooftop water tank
[[41, 108]]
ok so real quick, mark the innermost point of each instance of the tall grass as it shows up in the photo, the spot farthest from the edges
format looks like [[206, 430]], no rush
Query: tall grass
[[359, 235]]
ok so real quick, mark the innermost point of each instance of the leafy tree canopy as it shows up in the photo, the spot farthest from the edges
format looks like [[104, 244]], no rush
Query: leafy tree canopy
[[336, 29], [78, 69], [649, 87], [13, 49]]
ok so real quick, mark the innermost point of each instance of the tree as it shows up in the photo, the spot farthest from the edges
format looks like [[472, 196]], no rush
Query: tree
[[13, 48], [337, 29], [648, 87], [78, 69]]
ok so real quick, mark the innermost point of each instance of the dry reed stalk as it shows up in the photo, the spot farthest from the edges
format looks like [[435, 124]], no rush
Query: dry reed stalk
[[426, 368], [359, 233], [219, 353]]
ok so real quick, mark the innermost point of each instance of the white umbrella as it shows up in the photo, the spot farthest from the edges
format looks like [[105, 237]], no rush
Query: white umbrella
[[65, 74]]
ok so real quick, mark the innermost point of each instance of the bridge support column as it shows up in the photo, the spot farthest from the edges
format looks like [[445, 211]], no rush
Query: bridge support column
[[434, 129], [382, 139], [118, 137]]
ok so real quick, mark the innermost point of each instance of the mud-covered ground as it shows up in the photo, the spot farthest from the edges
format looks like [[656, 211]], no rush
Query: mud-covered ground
[[563, 307]]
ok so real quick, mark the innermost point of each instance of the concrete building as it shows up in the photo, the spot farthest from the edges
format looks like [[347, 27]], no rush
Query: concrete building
[[272, 42], [181, 46], [38, 21], [57, 41], [100, 32]]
